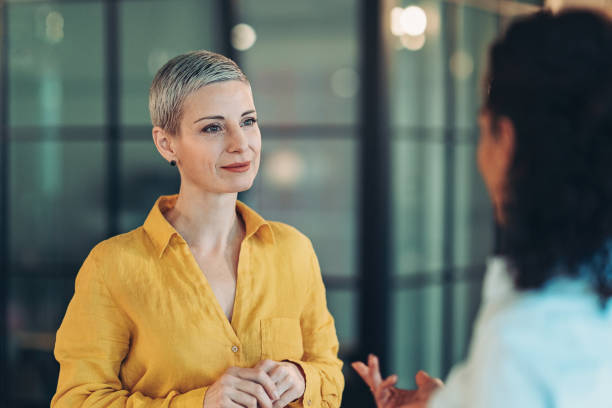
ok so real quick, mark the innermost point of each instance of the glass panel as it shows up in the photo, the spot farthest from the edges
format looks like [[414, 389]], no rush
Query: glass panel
[[342, 304], [309, 183], [442, 214], [56, 63], [151, 33], [421, 155], [468, 63], [417, 73], [145, 175], [473, 215], [418, 188], [57, 206], [303, 64], [417, 338], [466, 300], [36, 308]]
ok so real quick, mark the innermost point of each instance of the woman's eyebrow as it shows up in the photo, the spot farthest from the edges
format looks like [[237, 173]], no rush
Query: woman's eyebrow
[[210, 117], [219, 117]]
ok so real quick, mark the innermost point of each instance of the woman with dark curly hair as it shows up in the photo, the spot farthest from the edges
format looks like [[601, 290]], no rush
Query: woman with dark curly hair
[[544, 334]]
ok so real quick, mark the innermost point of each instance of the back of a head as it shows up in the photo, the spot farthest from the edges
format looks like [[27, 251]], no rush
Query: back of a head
[[551, 74]]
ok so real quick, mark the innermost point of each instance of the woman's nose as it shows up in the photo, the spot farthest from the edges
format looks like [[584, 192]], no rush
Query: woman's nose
[[237, 139]]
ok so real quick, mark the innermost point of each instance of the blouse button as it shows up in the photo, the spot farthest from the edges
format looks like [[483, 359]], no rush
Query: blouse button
[[235, 349], [309, 402]]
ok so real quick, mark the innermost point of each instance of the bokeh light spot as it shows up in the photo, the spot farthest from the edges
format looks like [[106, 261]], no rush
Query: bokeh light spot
[[243, 37]]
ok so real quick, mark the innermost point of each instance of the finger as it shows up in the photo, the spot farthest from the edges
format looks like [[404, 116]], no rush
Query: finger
[[284, 385], [388, 382], [285, 399], [426, 382], [363, 372], [422, 378], [360, 367], [385, 389], [266, 365], [256, 391], [278, 374], [375, 371], [232, 404], [261, 377], [243, 399]]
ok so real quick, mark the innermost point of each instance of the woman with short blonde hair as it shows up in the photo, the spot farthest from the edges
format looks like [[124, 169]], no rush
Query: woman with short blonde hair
[[207, 304]]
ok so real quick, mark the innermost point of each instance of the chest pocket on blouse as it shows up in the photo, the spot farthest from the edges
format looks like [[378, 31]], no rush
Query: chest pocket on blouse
[[281, 339]]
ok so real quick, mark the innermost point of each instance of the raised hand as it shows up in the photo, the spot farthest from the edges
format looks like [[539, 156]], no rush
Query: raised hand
[[387, 395], [287, 377]]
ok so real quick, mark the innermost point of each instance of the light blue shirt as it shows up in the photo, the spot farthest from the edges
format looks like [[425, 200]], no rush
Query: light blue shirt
[[534, 349]]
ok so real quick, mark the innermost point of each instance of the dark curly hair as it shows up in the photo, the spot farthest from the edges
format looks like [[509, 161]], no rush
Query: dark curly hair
[[551, 75]]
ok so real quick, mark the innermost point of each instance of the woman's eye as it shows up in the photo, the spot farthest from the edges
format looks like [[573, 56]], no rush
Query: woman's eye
[[249, 122], [212, 129]]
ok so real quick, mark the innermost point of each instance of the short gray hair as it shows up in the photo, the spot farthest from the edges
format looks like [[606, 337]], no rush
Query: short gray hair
[[180, 77]]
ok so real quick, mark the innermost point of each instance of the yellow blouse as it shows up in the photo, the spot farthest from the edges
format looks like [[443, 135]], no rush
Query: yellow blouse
[[144, 328]]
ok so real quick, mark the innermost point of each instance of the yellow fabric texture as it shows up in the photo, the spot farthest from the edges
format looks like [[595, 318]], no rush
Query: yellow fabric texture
[[144, 328]]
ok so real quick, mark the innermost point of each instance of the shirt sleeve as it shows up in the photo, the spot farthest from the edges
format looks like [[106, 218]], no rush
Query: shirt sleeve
[[320, 363], [91, 344]]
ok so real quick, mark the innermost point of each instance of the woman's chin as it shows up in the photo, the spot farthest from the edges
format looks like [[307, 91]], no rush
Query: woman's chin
[[239, 187], [245, 188]]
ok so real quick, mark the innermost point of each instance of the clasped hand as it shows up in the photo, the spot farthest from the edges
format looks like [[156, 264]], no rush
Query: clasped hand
[[270, 384], [387, 395]]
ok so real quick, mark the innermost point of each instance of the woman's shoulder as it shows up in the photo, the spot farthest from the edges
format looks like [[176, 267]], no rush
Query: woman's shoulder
[[131, 239], [122, 247], [538, 322], [285, 234], [117, 260]]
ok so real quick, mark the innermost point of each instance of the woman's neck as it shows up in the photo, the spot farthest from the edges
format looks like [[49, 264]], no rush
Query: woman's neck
[[207, 221]]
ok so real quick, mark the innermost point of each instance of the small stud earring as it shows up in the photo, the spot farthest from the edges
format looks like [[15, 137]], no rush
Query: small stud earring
[[173, 162]]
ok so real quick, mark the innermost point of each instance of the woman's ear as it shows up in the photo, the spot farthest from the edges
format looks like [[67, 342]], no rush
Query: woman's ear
[[164, 144]]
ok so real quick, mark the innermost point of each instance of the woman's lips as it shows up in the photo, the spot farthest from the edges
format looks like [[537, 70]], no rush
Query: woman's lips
[[238, 167]]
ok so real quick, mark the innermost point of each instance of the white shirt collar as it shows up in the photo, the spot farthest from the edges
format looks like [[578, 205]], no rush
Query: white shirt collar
[[498, 282]]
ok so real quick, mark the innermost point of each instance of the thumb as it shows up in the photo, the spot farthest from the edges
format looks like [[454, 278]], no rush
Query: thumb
[[425, 381], [422, 379]]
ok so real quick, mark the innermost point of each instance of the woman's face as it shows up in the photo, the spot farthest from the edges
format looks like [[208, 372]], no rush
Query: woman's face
[[495, 153], [486, 148], [219, 144]]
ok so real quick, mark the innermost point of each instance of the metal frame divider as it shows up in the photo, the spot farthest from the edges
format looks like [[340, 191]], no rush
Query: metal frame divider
[[229, 16], [4, 182], [113, 111], [375, 250]]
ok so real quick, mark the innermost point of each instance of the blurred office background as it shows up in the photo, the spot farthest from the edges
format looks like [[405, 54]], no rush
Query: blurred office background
[[368, 114]]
